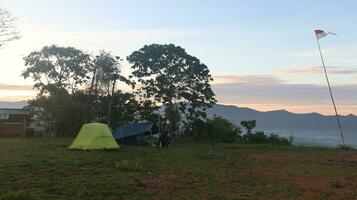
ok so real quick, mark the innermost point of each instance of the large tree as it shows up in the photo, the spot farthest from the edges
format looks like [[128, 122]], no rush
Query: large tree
[[8, 30], [169, 76], [58, 72], [57, 67]]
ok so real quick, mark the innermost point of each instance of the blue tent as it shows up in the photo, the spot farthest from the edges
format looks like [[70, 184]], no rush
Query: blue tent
[[134, 133]]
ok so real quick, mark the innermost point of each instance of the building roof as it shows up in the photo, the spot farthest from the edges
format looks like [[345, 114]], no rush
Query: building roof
[[128, 130], [11, 111]]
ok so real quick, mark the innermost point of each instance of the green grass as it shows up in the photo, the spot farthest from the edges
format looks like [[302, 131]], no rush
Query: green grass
[[45, 169]]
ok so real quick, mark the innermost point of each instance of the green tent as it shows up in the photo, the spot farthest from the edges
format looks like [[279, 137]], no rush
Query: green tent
[[94, 136]]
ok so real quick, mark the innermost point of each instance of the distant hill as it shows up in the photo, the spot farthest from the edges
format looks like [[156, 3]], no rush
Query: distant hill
[[284, 120], [17, 105]]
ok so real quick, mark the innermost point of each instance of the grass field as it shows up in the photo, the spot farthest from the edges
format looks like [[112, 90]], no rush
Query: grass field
[[45, 169]]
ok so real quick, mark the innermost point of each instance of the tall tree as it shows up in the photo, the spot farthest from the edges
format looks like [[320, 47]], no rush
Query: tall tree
[[57, 67], [168, 75], [106, 74], [8, 30]]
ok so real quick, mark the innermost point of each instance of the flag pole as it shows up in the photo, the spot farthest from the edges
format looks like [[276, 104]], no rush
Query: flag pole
[[329, 87]]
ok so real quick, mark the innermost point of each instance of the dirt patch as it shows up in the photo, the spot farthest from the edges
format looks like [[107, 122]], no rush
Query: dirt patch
[[353, 157], [269, 156], [185, 185], [162, 182], [324, 158], [327, 188], [297, 172], [29, 174], [163, 186], [349, 157]]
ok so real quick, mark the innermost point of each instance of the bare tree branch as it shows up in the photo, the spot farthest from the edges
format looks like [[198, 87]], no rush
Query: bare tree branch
[[8, 30]]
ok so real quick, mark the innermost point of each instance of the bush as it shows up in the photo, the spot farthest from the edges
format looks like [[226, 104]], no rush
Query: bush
[[344, 147], [215, 130], [276, 139], [62, 114], [259, 137], [220, 130]]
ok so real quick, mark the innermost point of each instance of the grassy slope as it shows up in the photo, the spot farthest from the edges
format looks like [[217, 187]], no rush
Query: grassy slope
[[45, 169]]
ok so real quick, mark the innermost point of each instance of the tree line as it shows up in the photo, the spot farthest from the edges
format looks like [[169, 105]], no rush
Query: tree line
[[76, 87]]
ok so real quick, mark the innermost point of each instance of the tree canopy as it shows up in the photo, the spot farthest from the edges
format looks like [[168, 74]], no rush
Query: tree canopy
[[59, 67], [168, 75]]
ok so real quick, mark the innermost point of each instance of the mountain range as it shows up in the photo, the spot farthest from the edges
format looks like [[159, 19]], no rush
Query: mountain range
[[284, 120]]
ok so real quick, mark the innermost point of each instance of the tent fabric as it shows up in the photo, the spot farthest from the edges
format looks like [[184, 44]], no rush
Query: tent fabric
[[94, 136], [129, 130]]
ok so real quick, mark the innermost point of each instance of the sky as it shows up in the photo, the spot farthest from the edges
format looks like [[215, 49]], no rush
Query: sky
[[262, 54]]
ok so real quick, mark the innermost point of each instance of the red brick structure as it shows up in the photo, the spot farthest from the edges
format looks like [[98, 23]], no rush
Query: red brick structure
[[13, 122]]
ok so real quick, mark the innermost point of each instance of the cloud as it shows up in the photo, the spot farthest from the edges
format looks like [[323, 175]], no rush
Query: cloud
[[272, 92], [40, 34], [311, 53], [15, 87], [247, 79], [319, 70]]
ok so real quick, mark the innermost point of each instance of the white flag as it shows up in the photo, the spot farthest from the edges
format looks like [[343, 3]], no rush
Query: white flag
[[320, 33]]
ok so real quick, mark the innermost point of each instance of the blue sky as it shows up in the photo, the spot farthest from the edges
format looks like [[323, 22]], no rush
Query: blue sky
[[254, 41]]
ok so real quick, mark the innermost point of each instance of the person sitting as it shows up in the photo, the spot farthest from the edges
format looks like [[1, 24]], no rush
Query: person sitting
[[164, 140]]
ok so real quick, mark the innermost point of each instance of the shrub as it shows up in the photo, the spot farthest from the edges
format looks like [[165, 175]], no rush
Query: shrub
[[344, 147], [215, 130], [279, 140], [259, 137]]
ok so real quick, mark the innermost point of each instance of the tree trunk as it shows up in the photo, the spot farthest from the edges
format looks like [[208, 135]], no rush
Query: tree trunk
[[94, 111], [90, 116], [110, 102]]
